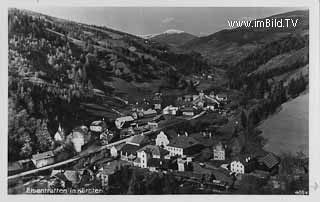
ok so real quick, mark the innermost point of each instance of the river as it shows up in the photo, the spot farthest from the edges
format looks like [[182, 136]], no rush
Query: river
[[287, 130]]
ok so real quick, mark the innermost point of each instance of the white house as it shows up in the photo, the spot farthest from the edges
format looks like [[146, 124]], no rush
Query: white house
[[59, 136], [148, 154], [122, 120], [182, 162], [181, 145], [170, 110], [237, 167], [219, 152], [244, 166], [162, 139], [43, 159], [221, 97], [113, 151], [189, 111]]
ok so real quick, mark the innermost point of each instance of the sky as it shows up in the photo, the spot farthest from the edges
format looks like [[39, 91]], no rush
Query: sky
[[150, 20]]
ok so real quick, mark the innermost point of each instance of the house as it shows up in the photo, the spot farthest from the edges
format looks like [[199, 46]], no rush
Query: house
[[219, 152], [184, 163], [149, 113], [113, 151], [106, 137], [98, 126], [69, 178], [128, 152], [222, 97], [162, 140], [268, 163], [157, 106], [153, 125], [43, 159], [170, 110], [183, 145], [188, 111], [147, 154], [79, 137], [120, 122], [60, 135], [246, 165], [106, 172], [138, 140]]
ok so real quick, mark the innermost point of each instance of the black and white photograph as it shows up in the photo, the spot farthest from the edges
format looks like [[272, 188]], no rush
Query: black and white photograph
[[107, 100]]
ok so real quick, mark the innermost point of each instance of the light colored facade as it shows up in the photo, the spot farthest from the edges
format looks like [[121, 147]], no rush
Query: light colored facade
[[237, 167], [122, 120], [170, 110], [219, 152], [113, 151], [174, 151], [143, 156], [188, 113], [43, 159], [162, 139]]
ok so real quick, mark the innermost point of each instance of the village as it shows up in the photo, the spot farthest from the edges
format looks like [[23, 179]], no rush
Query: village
[[148, 142], [192, 134]]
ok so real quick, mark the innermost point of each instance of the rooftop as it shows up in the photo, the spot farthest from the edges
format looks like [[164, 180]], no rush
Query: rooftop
[[154, 150], [129, 149], [269, 160], [138, 139], [183, 142], [43, 155]]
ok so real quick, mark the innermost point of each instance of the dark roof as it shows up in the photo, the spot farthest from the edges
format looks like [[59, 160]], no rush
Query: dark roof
[[158, 163], [139, 139], [154, 150], [43, 155], [269, 160], [188, 109], [153, 162], [68, 175], [183, 142], [129, 149], [171, 134]]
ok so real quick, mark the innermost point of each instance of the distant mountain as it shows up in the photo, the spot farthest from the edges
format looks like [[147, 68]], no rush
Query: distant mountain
[[229, 46], [171, 37]]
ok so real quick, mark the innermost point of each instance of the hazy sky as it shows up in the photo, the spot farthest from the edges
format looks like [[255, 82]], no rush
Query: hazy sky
[[144, 20]]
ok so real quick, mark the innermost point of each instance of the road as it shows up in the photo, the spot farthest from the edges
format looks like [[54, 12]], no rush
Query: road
[[95, 149]]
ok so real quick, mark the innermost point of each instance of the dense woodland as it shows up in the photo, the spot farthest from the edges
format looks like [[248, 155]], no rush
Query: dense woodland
[[49, 76]]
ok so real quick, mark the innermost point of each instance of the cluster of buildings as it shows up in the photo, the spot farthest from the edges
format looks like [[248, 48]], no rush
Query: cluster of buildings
[[188, 105], [161, 154], [77, 139]]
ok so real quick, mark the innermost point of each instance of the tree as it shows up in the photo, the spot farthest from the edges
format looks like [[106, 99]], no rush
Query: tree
[[136, 185], [44, 139], [244, 119]]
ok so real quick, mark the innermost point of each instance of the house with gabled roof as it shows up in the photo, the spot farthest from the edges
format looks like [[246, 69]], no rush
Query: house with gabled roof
[[69, 177], [128, 152], [243, 165], [43, 159], [183, 145], [268, 163], [148, 153], [138, 140]]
